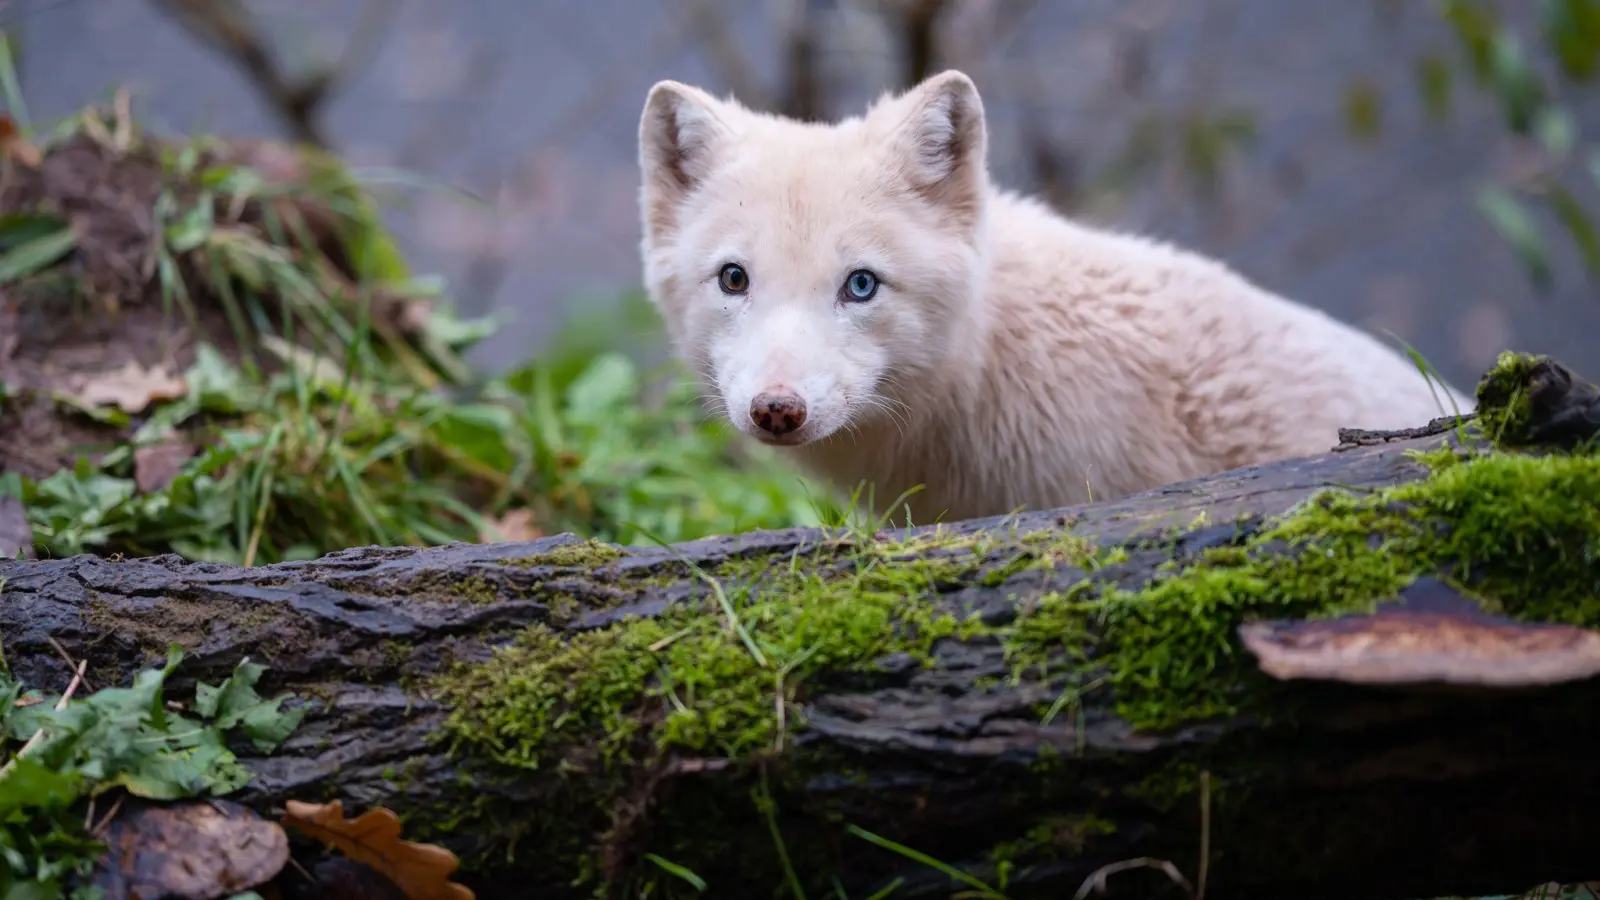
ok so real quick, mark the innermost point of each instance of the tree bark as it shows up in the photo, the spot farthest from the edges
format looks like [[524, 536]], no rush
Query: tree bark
[[1355, 791]]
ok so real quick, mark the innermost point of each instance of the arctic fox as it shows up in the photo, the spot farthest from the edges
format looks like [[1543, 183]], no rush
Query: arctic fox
[[860, 294]]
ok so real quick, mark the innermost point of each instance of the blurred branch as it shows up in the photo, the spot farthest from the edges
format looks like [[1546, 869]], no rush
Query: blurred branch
[[802, 90], [919, 22], [708, 20], [296, 100]]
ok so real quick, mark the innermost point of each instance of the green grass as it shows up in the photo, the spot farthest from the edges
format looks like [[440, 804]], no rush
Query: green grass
[[300, 464]]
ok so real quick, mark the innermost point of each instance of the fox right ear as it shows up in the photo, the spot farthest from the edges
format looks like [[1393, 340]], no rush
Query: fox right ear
[[679, 134]]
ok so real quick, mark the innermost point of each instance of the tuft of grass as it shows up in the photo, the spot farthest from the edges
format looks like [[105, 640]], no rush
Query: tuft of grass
[[317, 459]]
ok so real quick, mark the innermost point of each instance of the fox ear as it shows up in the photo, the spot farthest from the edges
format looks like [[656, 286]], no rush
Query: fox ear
[[942, 140], [679, 136]]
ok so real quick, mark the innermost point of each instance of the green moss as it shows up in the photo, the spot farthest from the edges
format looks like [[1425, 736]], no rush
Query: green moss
[[698, 682], [1054, 836], [476, 589], [1504, 408], [689, 676], [578, 554], [1507, 526], [190, 623]]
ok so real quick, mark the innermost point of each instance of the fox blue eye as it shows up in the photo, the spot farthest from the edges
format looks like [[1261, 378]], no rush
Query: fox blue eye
[[860, 286]]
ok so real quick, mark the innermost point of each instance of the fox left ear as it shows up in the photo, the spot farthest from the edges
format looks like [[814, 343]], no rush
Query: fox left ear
[[942, 141], [680, 134]]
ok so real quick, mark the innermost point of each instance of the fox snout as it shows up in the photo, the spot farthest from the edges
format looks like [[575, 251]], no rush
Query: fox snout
[[778, 412]]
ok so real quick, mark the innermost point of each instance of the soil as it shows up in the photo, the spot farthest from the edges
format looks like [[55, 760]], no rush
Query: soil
[[101, 307]]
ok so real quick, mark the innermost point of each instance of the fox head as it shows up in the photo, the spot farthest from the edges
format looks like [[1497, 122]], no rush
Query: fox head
[[818, 277]]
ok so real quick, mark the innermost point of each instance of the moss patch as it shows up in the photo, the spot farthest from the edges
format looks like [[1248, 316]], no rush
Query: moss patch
[[1053, 837], [709, 676], [190, 623], [1505, 409], [579, 554], [1506, 526]]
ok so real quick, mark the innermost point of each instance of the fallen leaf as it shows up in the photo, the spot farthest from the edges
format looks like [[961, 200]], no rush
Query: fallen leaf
[[8, 334], [516, 525], [132, 388], [421, 870], [313, 365], [14, 146], [16, 535], [195, 850], [155, 465]]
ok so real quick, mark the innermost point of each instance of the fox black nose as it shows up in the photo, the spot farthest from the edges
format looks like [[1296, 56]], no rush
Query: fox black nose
[[778, 413]]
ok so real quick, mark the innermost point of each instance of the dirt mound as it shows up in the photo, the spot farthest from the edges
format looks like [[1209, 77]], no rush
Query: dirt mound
[[120, 254]]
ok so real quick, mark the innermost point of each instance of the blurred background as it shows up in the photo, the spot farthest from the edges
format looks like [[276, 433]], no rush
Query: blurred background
[[1399, 163]]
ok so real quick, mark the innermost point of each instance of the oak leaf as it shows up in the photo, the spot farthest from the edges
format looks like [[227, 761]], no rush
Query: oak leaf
[[156, 465], [14, 146], [421, 870], [132, 388], [516, 525]]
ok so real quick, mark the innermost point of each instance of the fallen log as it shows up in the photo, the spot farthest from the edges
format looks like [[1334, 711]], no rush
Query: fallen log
[[1363, 674]]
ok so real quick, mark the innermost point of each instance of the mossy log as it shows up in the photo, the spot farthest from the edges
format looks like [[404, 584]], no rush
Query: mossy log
[[1208, 674]]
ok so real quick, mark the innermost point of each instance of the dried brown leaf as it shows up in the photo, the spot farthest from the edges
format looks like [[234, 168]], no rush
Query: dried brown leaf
[[421, 870], [516, 525], [8, 329], [16, 535], [155, 465], [193, 850], [14, 146], [132, 388]]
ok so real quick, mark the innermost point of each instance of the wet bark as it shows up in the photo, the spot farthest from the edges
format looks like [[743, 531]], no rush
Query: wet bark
[[1368, 792]]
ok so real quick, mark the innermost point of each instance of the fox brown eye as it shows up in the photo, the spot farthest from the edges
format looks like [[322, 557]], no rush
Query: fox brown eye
[[733, 279]]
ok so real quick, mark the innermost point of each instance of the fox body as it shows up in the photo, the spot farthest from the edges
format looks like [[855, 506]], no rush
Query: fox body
[[860, 294]]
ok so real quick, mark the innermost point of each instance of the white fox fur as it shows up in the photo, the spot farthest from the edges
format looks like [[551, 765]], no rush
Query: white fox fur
[[1010, 358]]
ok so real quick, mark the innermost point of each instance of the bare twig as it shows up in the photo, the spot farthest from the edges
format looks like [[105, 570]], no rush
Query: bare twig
[[802, 90], [111, 813], [919, 28], [1205, 835], [67, 658], [1096, 882]]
